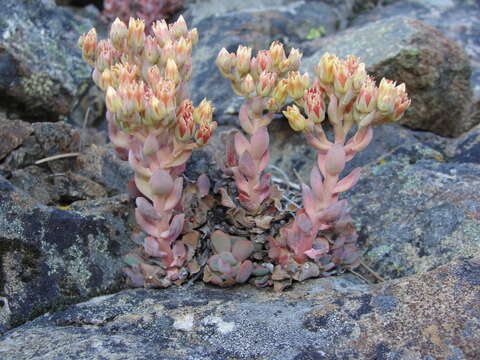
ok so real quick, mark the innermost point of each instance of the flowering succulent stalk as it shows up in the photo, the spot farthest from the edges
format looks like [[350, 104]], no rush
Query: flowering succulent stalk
[[321, 236], [265, 81], [153, 125]]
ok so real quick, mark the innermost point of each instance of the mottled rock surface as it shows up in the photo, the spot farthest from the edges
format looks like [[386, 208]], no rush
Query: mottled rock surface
[[435, 315], [41, 69], [457, 19], [436, 70], [92, 171], [51, 256]]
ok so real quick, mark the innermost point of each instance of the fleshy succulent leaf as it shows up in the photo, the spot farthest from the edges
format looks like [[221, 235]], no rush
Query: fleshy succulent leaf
[[221, 242], [242, 249]]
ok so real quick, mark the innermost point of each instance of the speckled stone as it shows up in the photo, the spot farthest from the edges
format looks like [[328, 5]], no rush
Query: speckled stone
[[435, 69], [53, 256], [430, 316], [41, 67]]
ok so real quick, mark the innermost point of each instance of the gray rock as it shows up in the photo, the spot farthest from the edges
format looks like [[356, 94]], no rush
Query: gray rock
[[415, 214], [55, 256], [14, 133], [436, 70], [433, 315], [457, 19], [466, 148], [41, 68], [93, 171]]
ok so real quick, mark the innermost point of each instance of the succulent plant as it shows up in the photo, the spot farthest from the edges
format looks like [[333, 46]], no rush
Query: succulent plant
[[154, 126], [229, 265]]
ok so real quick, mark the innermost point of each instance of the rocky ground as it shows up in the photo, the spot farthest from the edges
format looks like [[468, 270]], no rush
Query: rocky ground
[[65, 223]]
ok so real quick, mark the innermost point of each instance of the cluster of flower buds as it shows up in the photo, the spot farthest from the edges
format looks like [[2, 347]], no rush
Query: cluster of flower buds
[[153, 124], [265, 81], [270, 75]]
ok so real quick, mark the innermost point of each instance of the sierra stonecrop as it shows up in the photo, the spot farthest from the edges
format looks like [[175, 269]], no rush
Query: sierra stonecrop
[[155, 126], [322, 237], [243, 232], [265, 81]]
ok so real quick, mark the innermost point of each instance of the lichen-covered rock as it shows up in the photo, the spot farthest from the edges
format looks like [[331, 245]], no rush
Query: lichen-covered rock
[[51, 256], [13, 133], [92, 171], [466, 148], [457, 19], [433, 315], [436, 70], [41, 69], [255, 24], [416, 214]]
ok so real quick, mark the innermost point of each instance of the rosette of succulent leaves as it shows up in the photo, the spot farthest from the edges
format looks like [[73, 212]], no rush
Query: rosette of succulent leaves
[[155, 127]]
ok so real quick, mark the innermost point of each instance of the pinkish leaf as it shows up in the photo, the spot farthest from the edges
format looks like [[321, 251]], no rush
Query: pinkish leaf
[[361, 142], [262, 164], [247, 166], [161, 182], [179, 254], [180, 159], [246, 269], [231, 156], [175, 195], [147, 225], [150, 146], [304, 223], [241, 144], [152, 248], [242, 249], [333, 212], [203, 185], [136, 165], [221, 242], [335, 160], [245, 121], [176, 227], [259, 141], [348, 181], [147, 209], [321, 159], [316, 181], [264, 183], [309, 201], [240, 181]]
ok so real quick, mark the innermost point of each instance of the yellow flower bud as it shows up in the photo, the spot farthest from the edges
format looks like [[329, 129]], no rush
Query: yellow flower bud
[[171, 71], [244, 55], [296, 120], [325, 69], [136, 34], [118, 33], [114, 104], [203, 112], [277, 53]]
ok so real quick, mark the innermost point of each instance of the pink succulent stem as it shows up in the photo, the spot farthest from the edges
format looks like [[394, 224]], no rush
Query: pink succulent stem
[[252, 154]]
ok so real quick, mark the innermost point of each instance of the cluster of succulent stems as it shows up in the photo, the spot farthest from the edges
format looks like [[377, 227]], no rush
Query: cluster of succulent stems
[[155, 127]]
